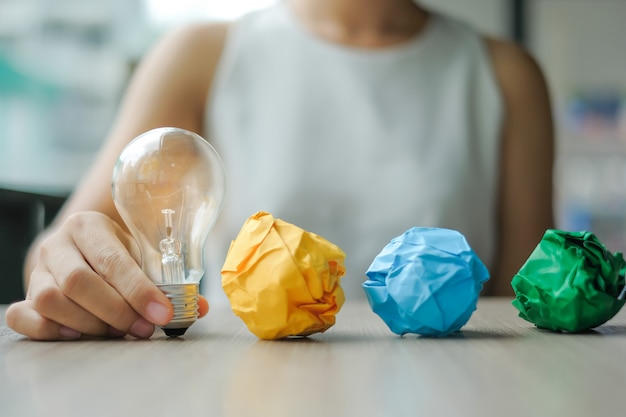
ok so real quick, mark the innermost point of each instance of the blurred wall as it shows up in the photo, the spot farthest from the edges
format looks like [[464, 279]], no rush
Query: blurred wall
[[63, 64], [581, 45]]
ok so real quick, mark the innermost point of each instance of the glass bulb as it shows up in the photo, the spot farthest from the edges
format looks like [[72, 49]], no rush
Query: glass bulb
[[168, 186]]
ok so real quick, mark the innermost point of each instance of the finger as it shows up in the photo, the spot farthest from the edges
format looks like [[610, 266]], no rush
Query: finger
[[110, 259], [203, 306], [78, 282], [129, 243], [24, 319], [50, 302]]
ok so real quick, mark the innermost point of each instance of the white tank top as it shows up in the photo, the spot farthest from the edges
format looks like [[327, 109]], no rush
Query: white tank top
[[356, 145]]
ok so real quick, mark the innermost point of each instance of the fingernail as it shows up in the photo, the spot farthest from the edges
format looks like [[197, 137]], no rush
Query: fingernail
[[157, 313], [142, 329], [69, 334]]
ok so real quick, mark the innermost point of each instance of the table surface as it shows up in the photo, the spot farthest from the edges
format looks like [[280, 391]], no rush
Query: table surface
[[498, 365]]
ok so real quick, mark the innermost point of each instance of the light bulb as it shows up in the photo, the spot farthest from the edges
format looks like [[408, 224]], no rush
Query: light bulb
[[169, 186]]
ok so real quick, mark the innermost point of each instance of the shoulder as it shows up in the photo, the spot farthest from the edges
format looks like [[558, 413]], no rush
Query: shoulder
[[198, 34], [194, 42], [184, 59], [516, 70], [188, 49]]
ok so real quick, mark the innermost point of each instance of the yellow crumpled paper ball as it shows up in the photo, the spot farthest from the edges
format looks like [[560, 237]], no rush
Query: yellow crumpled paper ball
[[281, 280]]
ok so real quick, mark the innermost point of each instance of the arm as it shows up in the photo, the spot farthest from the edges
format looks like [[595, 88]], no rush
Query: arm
[[82, 274], [524, 202]]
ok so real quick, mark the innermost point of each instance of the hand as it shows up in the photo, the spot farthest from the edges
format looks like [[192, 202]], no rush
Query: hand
[[87, 280]]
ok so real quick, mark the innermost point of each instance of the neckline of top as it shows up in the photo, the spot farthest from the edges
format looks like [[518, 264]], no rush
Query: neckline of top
[[411, 45]]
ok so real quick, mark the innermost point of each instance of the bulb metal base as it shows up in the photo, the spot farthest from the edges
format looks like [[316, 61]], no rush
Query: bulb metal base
[[184, 298]]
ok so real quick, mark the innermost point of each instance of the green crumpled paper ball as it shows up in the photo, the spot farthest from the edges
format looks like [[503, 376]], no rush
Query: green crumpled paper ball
[[570, 282]]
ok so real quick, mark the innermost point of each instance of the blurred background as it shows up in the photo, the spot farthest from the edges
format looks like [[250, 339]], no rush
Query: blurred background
[[65, 63]]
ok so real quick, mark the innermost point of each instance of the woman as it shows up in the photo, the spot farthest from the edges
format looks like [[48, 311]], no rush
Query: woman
[[353, 119]]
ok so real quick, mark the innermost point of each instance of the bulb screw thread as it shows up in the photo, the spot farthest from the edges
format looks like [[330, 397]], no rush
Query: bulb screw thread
[[184, 299]]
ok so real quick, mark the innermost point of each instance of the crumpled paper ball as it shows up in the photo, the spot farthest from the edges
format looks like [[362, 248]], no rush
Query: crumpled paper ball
[[281, 280], [426, 281], [570, 282]]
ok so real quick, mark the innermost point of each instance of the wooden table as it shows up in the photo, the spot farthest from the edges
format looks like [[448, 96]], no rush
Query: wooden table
[[499, 365]]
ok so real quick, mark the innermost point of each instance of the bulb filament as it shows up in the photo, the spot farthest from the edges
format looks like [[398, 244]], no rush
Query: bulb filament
[[172, 268]]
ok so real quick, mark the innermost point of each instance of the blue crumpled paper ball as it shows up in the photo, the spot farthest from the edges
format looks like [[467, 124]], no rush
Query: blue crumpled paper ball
[[426, 281]]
